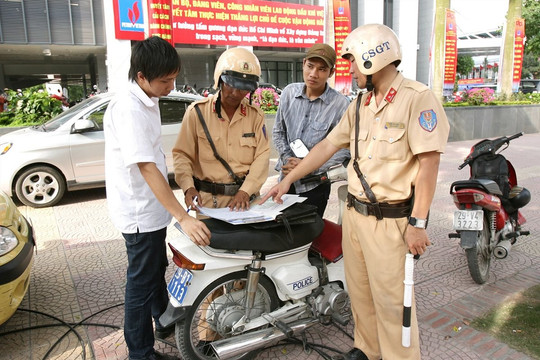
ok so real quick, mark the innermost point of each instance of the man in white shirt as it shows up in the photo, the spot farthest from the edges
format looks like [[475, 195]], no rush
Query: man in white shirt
[[139, 197]]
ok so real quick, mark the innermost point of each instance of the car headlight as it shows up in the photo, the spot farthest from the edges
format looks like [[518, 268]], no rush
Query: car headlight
[[4, 147], [8, 240]]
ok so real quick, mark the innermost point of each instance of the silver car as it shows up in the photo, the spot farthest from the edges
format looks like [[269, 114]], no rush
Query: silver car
[[38, 164]]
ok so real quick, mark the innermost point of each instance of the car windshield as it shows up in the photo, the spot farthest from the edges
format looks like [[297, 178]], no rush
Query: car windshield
[[61, 119]]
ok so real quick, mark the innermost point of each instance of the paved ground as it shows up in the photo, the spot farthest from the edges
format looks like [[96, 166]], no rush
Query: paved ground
[[79, 275]]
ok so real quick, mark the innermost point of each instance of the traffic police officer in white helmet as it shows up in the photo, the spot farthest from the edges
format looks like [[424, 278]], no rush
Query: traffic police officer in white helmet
[[222, 154], [395, 132]]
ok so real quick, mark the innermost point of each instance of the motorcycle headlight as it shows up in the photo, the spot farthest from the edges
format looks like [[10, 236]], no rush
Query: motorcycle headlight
[[8, 240], [4, 147]]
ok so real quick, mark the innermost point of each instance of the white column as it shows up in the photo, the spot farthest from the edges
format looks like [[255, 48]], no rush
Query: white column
[[118, 54], [370, 12], [406, 27]]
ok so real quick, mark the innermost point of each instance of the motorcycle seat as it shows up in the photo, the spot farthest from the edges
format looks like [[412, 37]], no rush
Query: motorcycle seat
[[486, 185], [519, 197], [328, 244], [226, 236]]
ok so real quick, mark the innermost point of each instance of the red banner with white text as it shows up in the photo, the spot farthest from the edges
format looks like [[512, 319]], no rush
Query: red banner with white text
[[519, 42], [342, 28], [450, 53], [222, 22], [247, 23], [159, 19]]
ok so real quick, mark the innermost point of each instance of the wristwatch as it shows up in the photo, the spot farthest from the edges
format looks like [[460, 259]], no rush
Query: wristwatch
[[418, 223]]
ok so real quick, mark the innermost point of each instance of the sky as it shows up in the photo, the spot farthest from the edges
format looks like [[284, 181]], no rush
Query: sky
[[479, 15]]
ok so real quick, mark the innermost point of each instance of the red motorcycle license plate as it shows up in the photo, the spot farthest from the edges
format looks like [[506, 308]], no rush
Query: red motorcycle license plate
[[469, 220]]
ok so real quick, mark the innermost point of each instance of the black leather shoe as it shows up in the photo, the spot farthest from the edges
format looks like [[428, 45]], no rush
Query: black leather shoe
[[163, 333], [159, 356], [355, 354]]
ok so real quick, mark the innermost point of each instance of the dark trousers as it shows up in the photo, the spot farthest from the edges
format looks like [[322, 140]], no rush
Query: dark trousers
[[318, 196], [146, 291]]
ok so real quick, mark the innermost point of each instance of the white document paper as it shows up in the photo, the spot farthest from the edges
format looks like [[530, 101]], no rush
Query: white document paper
[[257, 213]]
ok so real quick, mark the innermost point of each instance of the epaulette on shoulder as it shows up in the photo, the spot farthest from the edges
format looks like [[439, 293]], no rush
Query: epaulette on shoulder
[[200, 101], [415, 85], [203, 100], [253, 106]]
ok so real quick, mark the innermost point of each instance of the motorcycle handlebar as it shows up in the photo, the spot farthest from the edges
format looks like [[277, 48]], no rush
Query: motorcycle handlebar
[[334, 174], [498, 143], [516, 136], [463, 165], [489, 147], [313, 178]]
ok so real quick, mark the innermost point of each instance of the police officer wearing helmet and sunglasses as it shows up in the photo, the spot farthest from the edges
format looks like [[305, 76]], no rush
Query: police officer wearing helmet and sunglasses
[[395, 133], [225, 164]]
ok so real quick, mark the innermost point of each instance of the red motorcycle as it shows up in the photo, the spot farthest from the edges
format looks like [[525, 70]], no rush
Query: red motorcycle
[[488, 221]]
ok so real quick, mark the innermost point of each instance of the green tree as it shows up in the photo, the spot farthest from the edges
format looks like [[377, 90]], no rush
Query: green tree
[[531, 64], [531, 14], [465, 64], [531, 67]]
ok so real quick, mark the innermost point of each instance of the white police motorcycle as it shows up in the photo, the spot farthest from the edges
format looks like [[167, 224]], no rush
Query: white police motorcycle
[[253, 287]]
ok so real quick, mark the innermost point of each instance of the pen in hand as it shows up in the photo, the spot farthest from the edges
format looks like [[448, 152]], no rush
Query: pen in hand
[[194, 206]]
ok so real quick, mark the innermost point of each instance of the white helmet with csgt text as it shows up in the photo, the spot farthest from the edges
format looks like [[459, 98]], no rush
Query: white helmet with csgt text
[[373, 46]]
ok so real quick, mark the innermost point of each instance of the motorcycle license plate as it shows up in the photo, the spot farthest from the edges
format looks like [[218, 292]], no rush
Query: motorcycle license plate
[[469, 220], [179, 283]]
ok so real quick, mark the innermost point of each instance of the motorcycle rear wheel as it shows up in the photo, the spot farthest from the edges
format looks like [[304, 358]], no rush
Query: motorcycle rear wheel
[[479, 257], [195, 332]]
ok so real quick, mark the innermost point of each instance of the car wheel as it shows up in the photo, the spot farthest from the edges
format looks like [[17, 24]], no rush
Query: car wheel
[[40, 186]]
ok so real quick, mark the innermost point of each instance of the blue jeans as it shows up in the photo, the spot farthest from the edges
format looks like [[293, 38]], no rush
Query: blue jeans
[[146, 291]]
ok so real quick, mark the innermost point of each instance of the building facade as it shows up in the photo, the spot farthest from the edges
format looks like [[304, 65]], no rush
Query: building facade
[[73, 41]]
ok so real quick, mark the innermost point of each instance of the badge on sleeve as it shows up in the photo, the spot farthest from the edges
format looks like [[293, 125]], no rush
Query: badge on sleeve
[[428, 120]]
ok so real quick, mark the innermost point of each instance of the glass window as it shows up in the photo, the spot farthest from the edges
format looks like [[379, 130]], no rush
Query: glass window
[[62, 118], [299, 72], [97, 116], [172, 111]]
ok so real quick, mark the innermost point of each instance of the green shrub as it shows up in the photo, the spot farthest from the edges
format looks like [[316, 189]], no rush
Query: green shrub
[[486, 96], [31, 106]]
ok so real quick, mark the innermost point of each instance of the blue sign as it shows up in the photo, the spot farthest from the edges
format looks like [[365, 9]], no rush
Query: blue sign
[[131, 15]]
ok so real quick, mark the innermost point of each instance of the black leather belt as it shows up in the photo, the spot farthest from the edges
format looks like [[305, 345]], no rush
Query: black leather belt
[[384, 209], [216, 188]]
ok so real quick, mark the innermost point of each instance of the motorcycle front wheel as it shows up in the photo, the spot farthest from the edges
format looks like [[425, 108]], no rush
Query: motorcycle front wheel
[[479, 257], [216, 309]]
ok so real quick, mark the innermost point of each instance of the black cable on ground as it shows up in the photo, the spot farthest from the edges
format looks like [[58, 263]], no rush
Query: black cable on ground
[[292, 340], [315, 347], [343, 331], [167, 342], [310, 345], [78, 324], [71, 327]]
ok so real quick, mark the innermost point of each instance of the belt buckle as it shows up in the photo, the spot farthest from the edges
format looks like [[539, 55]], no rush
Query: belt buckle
[[229, 190], [361, 208]]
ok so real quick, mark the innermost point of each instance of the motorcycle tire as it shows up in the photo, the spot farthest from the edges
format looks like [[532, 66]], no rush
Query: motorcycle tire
[[195, 332], [479, 257]]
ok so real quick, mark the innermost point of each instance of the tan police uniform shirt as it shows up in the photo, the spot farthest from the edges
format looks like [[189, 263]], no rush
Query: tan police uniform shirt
[[241, 141], [410, 120]]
